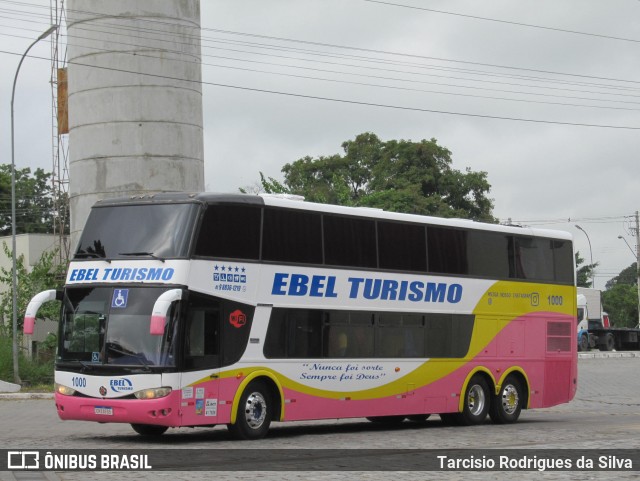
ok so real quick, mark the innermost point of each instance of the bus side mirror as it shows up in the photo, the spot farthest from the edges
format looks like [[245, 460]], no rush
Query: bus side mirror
[[160, 309], [34, 306]]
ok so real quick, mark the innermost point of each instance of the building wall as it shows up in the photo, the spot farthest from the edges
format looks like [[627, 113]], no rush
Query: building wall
[[32, 246]]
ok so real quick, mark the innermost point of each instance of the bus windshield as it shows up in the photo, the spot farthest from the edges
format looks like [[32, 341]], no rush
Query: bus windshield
[[110, 326], [123, 231]]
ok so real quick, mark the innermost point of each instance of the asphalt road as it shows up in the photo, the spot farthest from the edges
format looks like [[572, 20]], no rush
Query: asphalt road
[[604, 415]]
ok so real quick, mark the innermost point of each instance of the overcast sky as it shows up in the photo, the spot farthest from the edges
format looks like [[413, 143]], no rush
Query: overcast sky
[[329, 60]]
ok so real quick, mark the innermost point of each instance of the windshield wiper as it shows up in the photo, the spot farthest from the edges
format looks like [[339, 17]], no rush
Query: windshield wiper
[[133, 355], [86, 366], [140, 254]]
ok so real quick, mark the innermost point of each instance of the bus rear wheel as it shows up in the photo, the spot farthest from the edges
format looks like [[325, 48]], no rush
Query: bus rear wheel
[[254, 412], [507, 405], [476, 402], [149, 429]]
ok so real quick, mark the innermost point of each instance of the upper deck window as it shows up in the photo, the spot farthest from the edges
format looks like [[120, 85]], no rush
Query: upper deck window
[[230, 231], [125, 231], [402, 246], [292, 236], [349, 241]]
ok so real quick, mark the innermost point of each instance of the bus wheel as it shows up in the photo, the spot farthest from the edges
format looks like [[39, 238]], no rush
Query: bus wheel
[[149, 429], [506, 406], [386, 419], [254, 412], [476, 402]]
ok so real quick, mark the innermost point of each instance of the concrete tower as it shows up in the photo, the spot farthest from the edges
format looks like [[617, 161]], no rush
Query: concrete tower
[[135, 100]]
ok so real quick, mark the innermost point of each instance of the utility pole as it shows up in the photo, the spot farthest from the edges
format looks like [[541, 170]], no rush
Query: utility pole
[[637, 229]]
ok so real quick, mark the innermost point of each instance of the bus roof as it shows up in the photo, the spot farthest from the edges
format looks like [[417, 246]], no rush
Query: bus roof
[[295, 202]]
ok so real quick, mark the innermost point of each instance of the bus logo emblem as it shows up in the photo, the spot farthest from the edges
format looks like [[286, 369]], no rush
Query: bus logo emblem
[[237, 318]]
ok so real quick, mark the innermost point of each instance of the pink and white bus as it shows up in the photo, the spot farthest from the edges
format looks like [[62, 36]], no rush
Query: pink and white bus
[[208, 309]]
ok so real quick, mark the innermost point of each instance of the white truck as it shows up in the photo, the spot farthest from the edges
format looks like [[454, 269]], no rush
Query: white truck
[[594, 328]]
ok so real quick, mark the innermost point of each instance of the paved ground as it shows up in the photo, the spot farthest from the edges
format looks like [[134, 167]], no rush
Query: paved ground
[[605, 414]]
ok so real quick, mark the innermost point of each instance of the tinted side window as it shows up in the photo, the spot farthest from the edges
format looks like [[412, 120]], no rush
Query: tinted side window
[[447, 250], [563, 261], [202, 334], [532, 259], [400, 335], [448, 335], [216, 331], [306, 333], [402, 246], [488, 254], [294, 333], [230, 231], [348, 334], [349, 241], [292, 236]]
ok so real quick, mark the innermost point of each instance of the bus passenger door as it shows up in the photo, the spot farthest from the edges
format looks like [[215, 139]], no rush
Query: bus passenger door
[[202, 345]]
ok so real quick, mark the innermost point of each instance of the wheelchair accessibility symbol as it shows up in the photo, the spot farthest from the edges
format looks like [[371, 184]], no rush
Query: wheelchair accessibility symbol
[[120, 298]]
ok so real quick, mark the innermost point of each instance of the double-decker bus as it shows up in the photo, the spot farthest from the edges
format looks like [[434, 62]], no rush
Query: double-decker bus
[[207, 309]]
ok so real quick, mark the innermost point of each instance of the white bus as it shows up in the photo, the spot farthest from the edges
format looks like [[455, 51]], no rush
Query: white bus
[[241, 310]]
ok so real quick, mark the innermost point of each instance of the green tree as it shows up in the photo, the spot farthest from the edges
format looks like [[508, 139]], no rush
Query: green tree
[[34, 201], [621, 303], [584, 273], [628, 275], [620, 299], [397, 175], [45, 274]]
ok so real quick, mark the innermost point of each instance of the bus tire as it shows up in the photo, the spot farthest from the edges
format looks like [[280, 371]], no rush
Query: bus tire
[[476, 402], [507, 405], [150, 430], [583, 344], [386, 419], [254, 412]]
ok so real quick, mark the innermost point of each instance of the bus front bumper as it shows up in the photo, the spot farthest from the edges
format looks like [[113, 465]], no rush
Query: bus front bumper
[[163, 411]]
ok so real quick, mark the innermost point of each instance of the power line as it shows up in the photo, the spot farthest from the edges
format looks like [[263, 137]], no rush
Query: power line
[[509, 22], [405, 88], [351, 102]]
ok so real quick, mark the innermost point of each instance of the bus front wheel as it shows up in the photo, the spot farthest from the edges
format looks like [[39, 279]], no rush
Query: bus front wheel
[[254, 412], [149, 429], [476, 402], [506, 406]]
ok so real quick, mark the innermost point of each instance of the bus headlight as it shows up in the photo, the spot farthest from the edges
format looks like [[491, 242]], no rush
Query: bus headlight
[[64, 390], [154, 393]]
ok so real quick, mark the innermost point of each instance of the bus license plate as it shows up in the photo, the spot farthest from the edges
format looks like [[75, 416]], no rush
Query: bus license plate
[[104, 410]]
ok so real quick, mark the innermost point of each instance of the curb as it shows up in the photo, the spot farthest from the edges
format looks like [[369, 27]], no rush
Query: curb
[[26, 395], [608, 354]]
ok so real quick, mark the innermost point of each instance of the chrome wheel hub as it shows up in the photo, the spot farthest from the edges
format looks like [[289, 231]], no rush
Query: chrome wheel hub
[[255, 410], [510, 399], [476, 400]]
